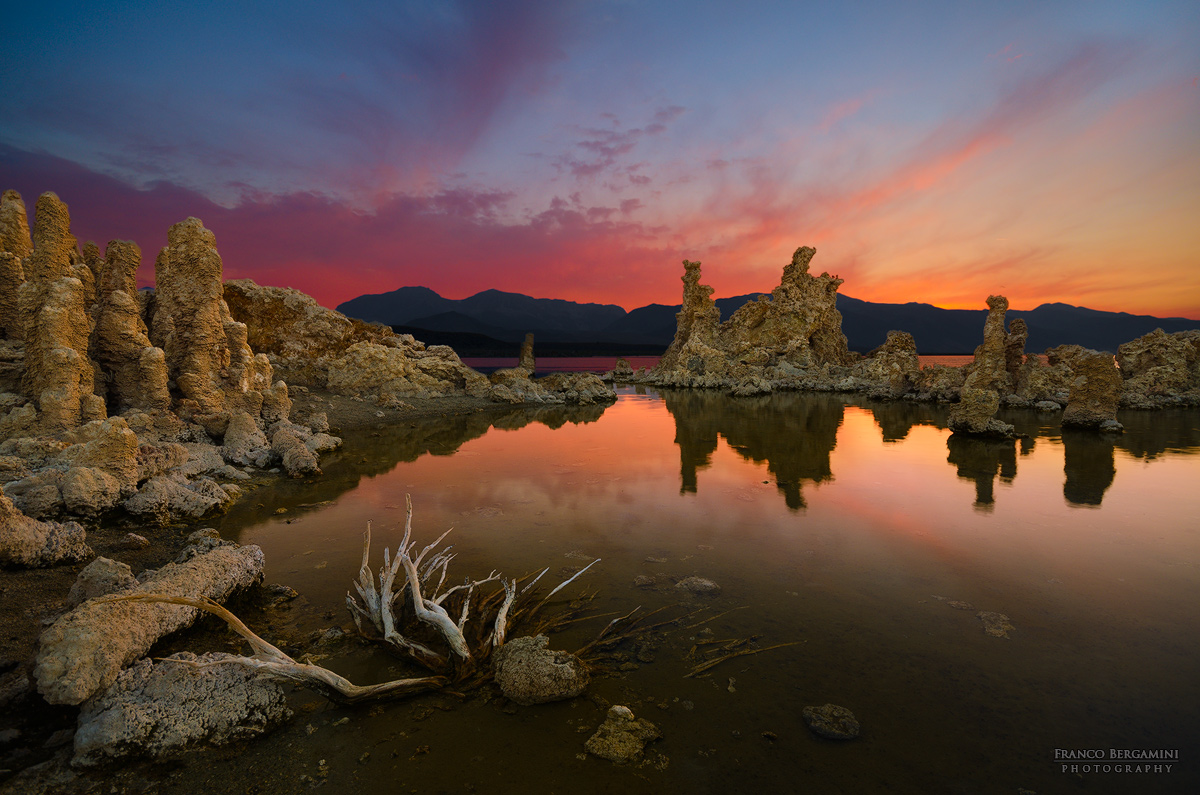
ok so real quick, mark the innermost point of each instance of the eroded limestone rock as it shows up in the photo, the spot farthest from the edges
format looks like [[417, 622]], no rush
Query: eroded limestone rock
[[987, 378], [527, 672], [84, 650], [100, 577], [832, 722], [120, 344], [207, 353], [53, 310], [1159, 366], [622, 738], [1095, 391], [894, 365], [25, 541], [156, 709], [798, 328], [14, 226]]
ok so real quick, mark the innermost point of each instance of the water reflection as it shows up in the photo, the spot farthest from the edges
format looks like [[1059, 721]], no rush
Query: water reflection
[[793, 436], [981, 460], [368, 453], [1089, 464], [796, 434]]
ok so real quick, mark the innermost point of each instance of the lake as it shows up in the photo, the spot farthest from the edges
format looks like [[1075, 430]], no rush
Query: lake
[[849, 528]]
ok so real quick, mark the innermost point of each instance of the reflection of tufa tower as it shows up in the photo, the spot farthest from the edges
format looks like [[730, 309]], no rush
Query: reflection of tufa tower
[[793, 434], [1089, 466]]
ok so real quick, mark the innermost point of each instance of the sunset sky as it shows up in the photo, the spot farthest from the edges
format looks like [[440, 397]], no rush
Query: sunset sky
[[580, 149]]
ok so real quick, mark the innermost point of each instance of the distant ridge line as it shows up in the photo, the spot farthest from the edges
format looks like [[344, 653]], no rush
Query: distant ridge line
[[493, 320]]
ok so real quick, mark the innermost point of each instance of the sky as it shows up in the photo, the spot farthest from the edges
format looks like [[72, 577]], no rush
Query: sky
[[935, 152]]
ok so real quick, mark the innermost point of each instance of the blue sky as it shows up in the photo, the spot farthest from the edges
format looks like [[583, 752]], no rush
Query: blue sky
[[934, 152]]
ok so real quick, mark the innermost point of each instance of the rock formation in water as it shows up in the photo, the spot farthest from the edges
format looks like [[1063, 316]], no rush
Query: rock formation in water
[[323, 349], [894, 365], [622, 737], [190, 381], [1161, 369], [794, 332], [528, 672], [526, 360], [987, 378], [1095, 393]]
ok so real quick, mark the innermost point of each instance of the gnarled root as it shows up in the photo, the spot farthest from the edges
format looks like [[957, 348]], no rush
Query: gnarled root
[[270, 661], [418, 606]]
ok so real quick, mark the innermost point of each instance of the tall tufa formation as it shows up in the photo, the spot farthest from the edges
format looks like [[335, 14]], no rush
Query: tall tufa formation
[[15, 245], [52, 310], [989, 377], [120, 343], [797, 327], [207, 355]]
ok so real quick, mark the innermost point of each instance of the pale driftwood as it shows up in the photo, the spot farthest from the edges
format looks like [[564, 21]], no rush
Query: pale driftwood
[[425, 574], [270, 661]]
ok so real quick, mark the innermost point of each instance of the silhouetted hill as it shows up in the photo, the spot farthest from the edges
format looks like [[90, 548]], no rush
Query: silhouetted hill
[[496, 318]]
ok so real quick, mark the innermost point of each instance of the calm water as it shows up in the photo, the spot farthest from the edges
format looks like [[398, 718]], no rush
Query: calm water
[[842, 525]]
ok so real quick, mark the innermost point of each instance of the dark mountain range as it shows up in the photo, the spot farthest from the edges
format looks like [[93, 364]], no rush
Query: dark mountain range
[[495, 321]]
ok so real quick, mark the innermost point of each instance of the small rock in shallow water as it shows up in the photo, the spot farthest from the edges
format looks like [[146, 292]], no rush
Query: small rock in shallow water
[[995, 624], [832, 721], [621, 737], [698, 585], [643, 581], [961, 605]]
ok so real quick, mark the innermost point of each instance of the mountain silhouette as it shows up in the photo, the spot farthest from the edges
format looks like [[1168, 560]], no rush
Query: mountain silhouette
[[494, 319]]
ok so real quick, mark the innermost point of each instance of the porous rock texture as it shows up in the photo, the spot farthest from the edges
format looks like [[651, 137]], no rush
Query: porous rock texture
[[1095, 392], [137, 371], [832, 722], [622, 738], [529, 673], [84, 650], [30, 543], [894, 365], [80, 342], [795, 330], [207, 353], [53, 311], [100, 577], [320, 348], [157, 709], [988, 378], [14, 225], [1161, 369]]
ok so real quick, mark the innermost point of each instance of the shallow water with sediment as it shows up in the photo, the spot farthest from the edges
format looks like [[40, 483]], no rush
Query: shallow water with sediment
[[856, 531]]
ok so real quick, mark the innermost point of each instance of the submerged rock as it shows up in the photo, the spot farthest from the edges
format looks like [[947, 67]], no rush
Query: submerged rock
[[154, 709], [995, 624], [529, 673], [622, 737], [832, 722], [84, 650], [698, 585]]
